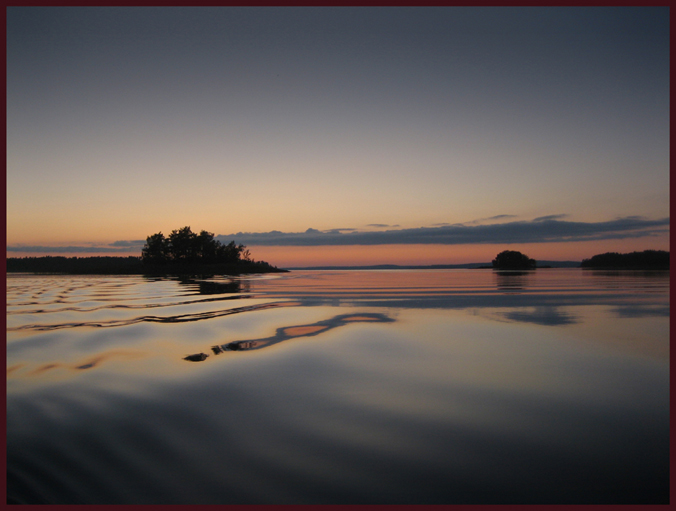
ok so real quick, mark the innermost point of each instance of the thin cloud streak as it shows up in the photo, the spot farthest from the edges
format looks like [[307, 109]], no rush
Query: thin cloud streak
[[496, 217], [128, 243], [541, 230], [120, 246], [555, 217], [40, 249]]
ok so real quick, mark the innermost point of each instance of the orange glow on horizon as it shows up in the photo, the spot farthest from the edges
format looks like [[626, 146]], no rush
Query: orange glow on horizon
[[365, 255]]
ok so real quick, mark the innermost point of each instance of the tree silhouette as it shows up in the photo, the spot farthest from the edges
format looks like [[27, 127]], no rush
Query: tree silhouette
[[156, 249], [513, 260], [645, 259], [183, 246], [206, 247]]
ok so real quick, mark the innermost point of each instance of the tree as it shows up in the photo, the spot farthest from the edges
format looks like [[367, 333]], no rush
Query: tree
[[184, 247], [513, 260], [229, 253], [206, 247], [155, 250]]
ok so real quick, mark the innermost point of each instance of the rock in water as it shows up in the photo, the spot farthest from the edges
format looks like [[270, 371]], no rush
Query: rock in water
[[198, 357]]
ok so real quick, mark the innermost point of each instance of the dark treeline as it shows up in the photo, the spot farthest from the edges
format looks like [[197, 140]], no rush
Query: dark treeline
[[648, 259], [60, 264], [128, 266], [182, 252], [184, 246]]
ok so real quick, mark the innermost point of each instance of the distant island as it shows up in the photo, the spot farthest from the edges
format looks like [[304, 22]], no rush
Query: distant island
[[182, 252], [646, 260], [513, 260]]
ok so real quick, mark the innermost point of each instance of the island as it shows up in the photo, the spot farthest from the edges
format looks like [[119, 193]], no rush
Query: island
[[646, 260], [513, 260], [183, 252]]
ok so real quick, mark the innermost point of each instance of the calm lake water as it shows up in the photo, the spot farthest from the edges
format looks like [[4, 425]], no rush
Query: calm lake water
[[339, 387]]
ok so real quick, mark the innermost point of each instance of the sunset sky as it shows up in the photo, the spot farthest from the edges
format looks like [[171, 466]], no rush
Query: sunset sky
[[349, 135]]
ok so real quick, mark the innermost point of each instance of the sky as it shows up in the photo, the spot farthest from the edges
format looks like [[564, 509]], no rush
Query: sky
[[346, 135]]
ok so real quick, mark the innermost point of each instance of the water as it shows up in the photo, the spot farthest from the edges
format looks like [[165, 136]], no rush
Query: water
[[344, 387]]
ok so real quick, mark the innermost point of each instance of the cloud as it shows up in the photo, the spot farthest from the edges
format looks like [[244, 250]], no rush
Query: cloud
[[70, 249], [499, 217], [556, 217], [541, 230], [380, 226], [547, 229], [121, 246], [128, 243], [348, 229], [490, 218]]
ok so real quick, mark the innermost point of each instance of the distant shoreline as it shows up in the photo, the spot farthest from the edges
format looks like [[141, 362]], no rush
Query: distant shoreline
[[54, 265], [466, 266], [58, 265]]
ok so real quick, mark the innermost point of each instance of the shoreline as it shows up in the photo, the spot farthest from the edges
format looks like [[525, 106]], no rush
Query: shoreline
[[57, 265]]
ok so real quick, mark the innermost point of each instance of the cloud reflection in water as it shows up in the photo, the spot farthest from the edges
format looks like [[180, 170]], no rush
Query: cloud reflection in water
[[544, 315], [293, 332]]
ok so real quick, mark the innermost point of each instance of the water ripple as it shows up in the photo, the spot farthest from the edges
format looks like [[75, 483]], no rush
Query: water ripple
[[119, 306], [179, 318]]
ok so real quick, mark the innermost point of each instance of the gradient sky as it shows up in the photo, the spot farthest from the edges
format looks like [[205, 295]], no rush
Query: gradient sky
[[447, 133]]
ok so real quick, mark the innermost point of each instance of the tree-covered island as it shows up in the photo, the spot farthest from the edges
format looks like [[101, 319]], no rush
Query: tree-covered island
[[513, 260], [181, 252], [646, 260], [184, 247]]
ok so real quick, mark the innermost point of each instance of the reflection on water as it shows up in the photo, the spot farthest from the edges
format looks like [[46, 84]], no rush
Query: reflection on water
[[512, 280], [638, 311], [545, 315], [89, 363], [178, 318], [291, 332], [210, 287], [400, 387]]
